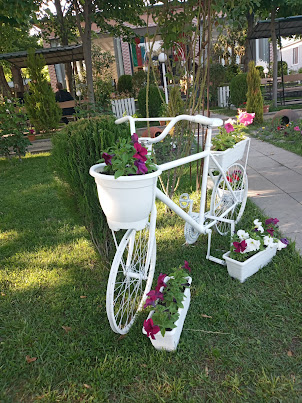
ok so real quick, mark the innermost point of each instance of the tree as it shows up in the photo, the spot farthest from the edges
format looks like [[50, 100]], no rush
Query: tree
[[44, 113], [101, 12], [15, 17]]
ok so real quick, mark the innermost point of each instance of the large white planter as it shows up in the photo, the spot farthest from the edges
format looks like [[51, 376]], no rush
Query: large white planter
[[230, 156], [171, 338], [126, 201], [243, 270]]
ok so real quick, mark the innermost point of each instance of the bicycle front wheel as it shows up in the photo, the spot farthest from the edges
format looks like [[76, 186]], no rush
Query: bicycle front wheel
[[131, 276], [223, 199]]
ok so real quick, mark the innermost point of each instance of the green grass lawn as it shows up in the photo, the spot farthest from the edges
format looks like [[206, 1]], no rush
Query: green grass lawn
[[240, 342], [283, 137]]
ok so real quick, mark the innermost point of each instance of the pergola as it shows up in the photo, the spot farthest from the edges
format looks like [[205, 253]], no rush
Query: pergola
[[61, 54], [284, 27]]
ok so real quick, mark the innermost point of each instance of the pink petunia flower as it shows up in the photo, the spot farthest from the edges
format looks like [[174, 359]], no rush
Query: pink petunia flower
[[229, 127], [153, 296], [141, 152], [297, 128], [273, 221], [150, 328], [246, 118]]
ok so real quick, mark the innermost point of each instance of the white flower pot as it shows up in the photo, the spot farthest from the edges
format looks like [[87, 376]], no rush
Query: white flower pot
[[230, 156], [243, 270], [126, 201], [171, 338]]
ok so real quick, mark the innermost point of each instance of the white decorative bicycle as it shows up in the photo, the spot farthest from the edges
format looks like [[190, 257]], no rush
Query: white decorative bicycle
[[134, 209]]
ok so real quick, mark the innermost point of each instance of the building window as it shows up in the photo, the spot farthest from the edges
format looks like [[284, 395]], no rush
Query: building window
[[295, 55]]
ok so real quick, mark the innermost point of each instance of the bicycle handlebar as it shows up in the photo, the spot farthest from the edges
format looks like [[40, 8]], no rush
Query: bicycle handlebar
[[203, 120]]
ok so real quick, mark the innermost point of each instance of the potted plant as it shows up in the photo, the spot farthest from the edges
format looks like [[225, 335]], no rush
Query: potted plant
[[170, 302], [253, 249], [31, 136], [126, 179], [230, 143]]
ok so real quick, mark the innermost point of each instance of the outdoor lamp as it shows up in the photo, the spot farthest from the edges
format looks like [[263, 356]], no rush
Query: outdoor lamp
[[162, 58]]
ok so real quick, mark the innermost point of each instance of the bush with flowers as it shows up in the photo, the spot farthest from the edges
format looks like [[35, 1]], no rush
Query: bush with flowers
[[127, 157], [233, 131], [246, 243], [165, 300]]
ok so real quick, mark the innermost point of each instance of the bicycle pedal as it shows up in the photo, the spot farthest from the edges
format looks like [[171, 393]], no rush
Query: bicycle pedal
[[185, 201]]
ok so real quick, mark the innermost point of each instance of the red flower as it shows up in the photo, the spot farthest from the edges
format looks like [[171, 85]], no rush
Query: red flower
[[160, 282], [107, 158], [141, 152], [150, 328], [229, 179], [240, 246], [186, 266]]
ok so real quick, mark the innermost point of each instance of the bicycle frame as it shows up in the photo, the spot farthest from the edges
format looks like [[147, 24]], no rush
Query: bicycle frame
[[206, 154]]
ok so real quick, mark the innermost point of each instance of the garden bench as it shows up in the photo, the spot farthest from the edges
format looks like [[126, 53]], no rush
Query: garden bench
[[68, 104]]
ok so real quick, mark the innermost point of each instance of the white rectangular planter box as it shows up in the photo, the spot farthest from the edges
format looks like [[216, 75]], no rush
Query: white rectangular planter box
[[229, 156], [243, 270], [171, 338]]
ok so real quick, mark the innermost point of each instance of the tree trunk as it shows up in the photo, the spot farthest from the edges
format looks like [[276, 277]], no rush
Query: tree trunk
[[64, 40], [86, 41], [17, 79], [4, 87], [275, 56], [248, 43]]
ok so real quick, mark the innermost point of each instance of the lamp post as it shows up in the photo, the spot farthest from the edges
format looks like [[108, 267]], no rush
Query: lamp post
[[162, 58]]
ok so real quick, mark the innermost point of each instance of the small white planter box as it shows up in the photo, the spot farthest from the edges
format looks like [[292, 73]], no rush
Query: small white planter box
[[171, 338], [229, 156], [243, 270], [126, 201]]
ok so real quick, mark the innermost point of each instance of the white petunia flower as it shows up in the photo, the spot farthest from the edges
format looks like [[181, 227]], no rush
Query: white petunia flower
[[252, 245], [242, 234], [258, 225], [281, 245], [269, 241], [231, 121]]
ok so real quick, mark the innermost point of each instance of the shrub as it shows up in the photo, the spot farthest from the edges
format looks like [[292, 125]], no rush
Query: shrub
[[217, 78], [238, 89], [75, 149], [139, 80], [231, 71], [260, 70], [154, 101], [41, 106], [254, 95], [282, 66], [13, 125], [125, 84]]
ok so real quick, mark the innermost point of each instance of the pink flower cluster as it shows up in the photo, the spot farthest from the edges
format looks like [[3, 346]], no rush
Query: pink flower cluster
[[243, 118]]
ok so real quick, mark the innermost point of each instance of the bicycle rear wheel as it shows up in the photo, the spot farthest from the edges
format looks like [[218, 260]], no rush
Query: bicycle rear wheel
[[222, 199], [131, 276]]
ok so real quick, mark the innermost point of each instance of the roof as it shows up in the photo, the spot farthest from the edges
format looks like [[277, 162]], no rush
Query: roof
[[61, 54], [284, 27]]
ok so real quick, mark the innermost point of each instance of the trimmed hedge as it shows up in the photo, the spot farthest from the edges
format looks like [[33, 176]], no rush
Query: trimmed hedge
[[238, 89], [154, 104], [75, 149], [125, 84]]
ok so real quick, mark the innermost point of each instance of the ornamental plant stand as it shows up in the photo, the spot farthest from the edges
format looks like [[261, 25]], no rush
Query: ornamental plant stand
[[243, 270], [126, 201], [169, 341], [230, 156]]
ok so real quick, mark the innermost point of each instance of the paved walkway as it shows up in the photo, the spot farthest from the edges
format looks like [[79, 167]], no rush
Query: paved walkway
[[275, 183]]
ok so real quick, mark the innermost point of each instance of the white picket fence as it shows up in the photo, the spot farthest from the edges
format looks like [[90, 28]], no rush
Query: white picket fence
[[120, 106], [223, 96]]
